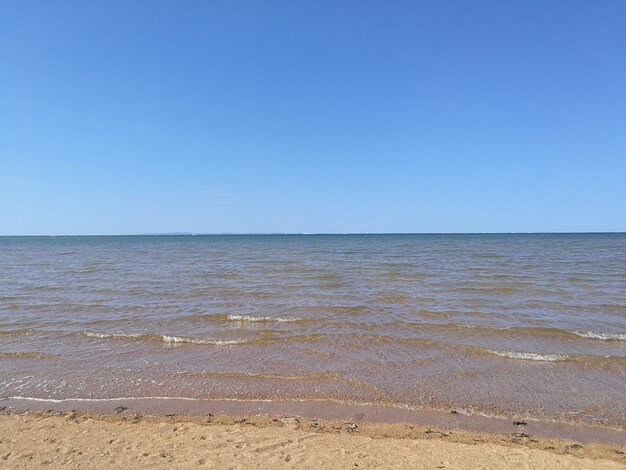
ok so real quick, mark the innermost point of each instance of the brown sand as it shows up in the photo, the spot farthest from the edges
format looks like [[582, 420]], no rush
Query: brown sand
[[121, 441]]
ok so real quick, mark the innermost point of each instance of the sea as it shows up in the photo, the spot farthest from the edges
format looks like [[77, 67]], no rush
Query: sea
[[502, 325]]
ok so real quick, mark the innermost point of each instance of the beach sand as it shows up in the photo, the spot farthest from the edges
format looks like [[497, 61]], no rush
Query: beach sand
[[88, 440]]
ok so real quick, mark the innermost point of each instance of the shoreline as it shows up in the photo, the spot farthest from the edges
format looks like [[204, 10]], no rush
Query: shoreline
[[324, 409], [114, 440]]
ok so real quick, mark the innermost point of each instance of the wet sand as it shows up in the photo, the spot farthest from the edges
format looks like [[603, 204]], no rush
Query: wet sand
[[94, 440], [452, 419]]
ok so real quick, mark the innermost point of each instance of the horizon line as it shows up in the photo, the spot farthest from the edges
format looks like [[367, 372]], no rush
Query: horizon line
[[190, 234]]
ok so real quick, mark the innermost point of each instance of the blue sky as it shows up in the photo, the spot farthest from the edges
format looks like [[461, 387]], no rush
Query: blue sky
[[312, 116]]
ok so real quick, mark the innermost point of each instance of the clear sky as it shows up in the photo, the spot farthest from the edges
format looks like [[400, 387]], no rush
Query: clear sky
[[312, 116]]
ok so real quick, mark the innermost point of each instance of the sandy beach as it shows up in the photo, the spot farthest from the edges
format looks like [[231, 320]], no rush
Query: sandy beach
[[88, 440]]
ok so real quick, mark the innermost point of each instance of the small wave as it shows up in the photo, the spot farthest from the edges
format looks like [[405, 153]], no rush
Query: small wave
[[487, 256], [403, 406], [490, 290], [325, 277], [481, 327], [330, 309], [113, 335], [529, 356], [263, 376], [532, 331], [394, 274], [601, 336], [164, 338], [96, 400], [251, 318], [217, 342], [392, 298]]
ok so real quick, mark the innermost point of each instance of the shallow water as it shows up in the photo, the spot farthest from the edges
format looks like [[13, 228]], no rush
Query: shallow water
[[531, 325]]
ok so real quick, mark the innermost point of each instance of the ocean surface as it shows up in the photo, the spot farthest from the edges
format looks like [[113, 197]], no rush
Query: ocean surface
[[529, 325]]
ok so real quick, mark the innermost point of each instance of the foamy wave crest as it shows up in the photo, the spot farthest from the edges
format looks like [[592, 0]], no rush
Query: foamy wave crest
[[112, 335], [601, 336], [261, 319], [164, 338], [217, 342], [529, 356]]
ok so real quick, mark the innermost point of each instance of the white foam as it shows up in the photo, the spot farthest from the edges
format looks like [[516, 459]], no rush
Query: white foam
[[97, 400], [529, 356], [601, 336], [165, 338], [242, 400], [261, 319], [217, 342], [112, 335]]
